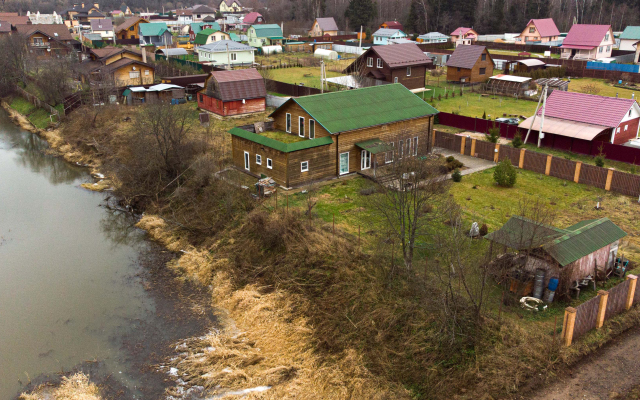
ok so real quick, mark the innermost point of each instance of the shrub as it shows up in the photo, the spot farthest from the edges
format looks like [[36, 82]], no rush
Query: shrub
[[367, 191], [505, 174], [449, 159], [599, 161], [452, 164], [456, 175], [517, 141], [439, 97], [484, 229], [494, 135], [446, 95]]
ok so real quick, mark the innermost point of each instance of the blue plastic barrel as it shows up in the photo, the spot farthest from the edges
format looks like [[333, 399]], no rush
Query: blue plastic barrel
[[553, 284]]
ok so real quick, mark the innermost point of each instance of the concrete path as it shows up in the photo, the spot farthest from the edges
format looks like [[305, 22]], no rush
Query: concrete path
[[472, 163]]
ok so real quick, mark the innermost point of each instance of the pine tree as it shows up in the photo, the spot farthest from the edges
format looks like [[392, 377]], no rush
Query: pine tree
[[361, 13]]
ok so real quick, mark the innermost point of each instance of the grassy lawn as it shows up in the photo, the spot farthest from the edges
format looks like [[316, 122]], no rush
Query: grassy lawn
[[37, 116], [604, 87], [282, 136], [22, 106], [474, 105], [297, 75]]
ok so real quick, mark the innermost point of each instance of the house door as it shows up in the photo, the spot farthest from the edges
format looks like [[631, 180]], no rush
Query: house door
[[344, 163], [365, 160], [246, 160]]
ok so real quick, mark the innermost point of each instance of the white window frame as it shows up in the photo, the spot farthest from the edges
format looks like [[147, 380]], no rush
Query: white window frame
[[258, 159], [301, 126], [287, 124], [408, 71], [379, 63], [388, 159], [370, 62], [134, 74], [348, 161], [415, 146], [269, 163], [247, 161], [304, 166], [312, 129], [365, 160], [625, 127]]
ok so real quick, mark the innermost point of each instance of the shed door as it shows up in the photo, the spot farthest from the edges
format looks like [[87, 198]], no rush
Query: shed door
[[344, 163]]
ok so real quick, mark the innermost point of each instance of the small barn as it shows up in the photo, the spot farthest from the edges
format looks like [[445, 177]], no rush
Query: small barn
[[297, 47], [236, 92], [569, 254], [470, 64], [162, 92], [528, 65]]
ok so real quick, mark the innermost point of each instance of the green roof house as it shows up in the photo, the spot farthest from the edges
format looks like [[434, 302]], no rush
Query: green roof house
[[629, 37], [326, 136], [197, 27], [265, 35], [155, 33], [569, 254], [207, 36]]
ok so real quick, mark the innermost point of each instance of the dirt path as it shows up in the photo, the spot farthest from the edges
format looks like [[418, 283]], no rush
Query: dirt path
[[609, 373]]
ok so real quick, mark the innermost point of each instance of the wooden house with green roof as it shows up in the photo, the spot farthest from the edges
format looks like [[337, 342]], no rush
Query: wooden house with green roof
[[569, 254], [265, 35], [197, 27], [330, 135]]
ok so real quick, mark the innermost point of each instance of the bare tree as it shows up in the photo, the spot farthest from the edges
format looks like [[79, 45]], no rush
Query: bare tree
[[13, 62], [412, 190], [54, 80]]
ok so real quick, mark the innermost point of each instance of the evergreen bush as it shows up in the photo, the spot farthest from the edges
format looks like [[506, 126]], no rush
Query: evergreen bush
[[505, 174]]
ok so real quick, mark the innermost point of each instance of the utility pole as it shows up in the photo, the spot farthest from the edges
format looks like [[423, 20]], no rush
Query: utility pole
[[228, 58], [544, 93], [360, 42], [544, 106], [322, 75]]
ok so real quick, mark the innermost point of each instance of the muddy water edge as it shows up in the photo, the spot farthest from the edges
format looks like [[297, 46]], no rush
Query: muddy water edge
[[81, 287]]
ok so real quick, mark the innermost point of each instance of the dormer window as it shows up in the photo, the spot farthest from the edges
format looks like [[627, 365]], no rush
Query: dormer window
[[532, 30], [606, 37]]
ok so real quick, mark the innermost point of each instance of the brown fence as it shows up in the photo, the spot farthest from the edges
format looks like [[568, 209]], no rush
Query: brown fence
[[39, 103], [592, 314], [289, 89], [586, 317], [603, 178]]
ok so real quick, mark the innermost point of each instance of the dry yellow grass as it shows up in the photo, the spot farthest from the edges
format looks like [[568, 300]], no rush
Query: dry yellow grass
[[75, 387]]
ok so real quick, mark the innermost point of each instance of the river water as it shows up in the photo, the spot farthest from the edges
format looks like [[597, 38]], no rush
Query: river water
[[69, 281]]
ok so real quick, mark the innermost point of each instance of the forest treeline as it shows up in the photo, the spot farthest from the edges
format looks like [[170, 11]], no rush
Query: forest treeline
[[418, 16]]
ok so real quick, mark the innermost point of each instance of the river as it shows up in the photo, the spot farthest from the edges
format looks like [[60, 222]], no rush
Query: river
[[72, 288]]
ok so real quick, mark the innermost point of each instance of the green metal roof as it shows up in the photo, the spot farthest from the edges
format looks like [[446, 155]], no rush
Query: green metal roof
[[278, 145], [631, 32], [564, 245], [268, 30], [375, 146], [234, 37], [203, 35], [584, 240], [196, 27], [153, 29], [361, 108]]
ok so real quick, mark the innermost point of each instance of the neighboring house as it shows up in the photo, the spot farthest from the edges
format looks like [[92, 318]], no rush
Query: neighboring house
[[185, 17], [53, 40], [38, 18], [15, 20], [237, 92], [539, 30], [5, 27], [130, 28], [382, 36], [122, 66], [155, 33], [329, 135], [207, 36], [253, 18], [125, 10], [201, 12], [588, 42], [116, 14], [637, 50], [398, 63], [391, 25], [197, 27], [84, 13], [569, 254], [432, 37], [230, 6], [629, 37], [103, 27], [265, 35], [464, 35], [324, 26], [572, 115], [226, 52], [470, 64]]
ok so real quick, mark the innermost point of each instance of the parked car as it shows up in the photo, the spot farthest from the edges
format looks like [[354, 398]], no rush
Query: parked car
[[510, 121]]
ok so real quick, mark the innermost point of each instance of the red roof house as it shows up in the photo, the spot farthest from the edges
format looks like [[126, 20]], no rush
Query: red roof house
[[464, 33], [253, 18], [588, 42], [539, 30], [234, 92], [588, 117], [391, 25]]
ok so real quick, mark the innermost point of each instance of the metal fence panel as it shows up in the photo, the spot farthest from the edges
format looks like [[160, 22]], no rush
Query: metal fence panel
[[586, 316], [625, 183], [509, 152], [617, 299], [444, 140], [485, 150], [613, 67], [536, 162], [563, 169], [593, 176]]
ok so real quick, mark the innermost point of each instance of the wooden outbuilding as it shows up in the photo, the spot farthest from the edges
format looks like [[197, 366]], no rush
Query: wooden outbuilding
[[470, 64], [397, 63], [330, 135], [234, 92]]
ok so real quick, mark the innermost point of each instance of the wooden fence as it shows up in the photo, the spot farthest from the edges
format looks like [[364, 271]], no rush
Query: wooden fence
[[289, 89], [603, 178], [39, 103], [592, 313]]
